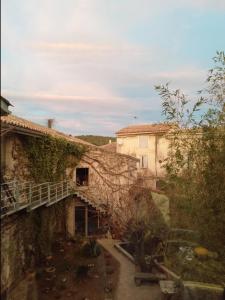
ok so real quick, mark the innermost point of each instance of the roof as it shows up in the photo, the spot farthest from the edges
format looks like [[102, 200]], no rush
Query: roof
[[5, 107], [33, 128], [6, 101], [110, 147], [144, 128], [19, 123]]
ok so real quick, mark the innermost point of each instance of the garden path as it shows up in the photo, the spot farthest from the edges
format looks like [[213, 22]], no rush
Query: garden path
[[126, 289]]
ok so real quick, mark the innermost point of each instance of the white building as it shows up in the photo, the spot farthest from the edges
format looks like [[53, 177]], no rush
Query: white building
[[149, 144]]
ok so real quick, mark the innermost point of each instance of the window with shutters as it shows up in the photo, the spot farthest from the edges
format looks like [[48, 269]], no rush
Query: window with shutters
[[143, 141]]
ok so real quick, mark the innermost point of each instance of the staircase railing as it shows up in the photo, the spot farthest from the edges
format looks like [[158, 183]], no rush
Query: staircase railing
[[16, 195]]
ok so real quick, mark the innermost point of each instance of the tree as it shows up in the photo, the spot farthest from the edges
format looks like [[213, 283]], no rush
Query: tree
[[144, 225], [196, 159]]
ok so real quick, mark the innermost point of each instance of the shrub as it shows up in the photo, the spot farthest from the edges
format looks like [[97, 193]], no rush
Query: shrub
[[91, 249]]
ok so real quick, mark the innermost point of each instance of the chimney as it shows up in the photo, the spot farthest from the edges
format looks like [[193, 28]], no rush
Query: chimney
[[110, 141], [50, 123]]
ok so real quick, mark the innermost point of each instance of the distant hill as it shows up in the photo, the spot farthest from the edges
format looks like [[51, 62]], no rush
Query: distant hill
[[97, 140]]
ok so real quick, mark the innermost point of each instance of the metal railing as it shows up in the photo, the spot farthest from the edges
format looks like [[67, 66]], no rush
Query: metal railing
[[19, 195]]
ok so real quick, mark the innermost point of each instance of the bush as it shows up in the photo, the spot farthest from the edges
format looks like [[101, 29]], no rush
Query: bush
[[196, 162], [91, 249]]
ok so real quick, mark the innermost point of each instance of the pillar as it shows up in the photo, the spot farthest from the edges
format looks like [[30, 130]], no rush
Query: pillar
[[86, 220], [98, 219], [71, 219]]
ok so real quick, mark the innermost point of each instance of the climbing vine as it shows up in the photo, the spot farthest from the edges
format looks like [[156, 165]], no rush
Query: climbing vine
[[49, 157]]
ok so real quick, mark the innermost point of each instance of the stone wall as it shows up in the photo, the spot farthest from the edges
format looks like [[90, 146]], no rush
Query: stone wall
[[26, 237], [14, 161], [111, 175]]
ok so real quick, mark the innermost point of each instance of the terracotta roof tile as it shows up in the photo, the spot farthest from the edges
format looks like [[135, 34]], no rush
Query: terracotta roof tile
[[110, 147], [144, 128], [15, 121]]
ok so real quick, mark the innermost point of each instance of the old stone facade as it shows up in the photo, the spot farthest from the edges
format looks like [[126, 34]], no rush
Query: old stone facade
[[13, 159], [26, 238], [102, 179], [110, 177]]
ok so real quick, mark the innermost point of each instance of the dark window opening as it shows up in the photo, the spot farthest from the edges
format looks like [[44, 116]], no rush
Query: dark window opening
[[82, 175], [92, 222], [87, 221], [80, 220]]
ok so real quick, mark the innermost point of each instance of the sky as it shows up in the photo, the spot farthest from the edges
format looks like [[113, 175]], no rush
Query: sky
[[92, 65]]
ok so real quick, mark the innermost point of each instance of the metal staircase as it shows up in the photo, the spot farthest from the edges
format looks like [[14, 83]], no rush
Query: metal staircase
[[20, 195], [16, 196]]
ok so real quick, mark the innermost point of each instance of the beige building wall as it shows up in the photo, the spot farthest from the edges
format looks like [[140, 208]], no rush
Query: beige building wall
[[154, 148], [162, 153]]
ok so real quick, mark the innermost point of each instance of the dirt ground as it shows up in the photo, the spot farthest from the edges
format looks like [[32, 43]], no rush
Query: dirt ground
[[57, 276]]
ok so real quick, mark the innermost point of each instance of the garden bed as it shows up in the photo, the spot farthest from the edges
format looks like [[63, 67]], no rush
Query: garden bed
[[186, 257], [60, 279], [196, 282]]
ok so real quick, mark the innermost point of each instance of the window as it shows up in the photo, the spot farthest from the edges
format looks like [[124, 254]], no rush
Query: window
[[143, 141], [82, 175], [144, 161]]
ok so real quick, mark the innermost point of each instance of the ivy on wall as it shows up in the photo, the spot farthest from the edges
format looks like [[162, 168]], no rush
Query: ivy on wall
[[49, 157]]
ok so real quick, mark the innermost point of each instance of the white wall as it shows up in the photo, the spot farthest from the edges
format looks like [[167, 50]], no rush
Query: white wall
[[156, 151]]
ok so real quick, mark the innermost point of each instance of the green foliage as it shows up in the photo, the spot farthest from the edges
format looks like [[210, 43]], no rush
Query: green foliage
[[49, 157], [196, 161], [91, 249], [147, 238], [97, 139], [146, 227]]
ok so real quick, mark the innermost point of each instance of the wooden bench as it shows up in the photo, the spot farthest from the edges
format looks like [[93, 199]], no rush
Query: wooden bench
[[141, 276]]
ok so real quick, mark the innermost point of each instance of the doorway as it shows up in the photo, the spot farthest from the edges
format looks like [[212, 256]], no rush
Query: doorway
[[80, 220]]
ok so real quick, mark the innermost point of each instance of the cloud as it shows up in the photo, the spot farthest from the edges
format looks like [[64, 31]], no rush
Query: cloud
[[63, 47], [204, 4], [92, 108], [69, 124], [93, 64], [69, 104]]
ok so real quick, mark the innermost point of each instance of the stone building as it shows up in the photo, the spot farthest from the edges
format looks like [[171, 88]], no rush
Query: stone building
[[150, 144], [102, 177], [32, 212]]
